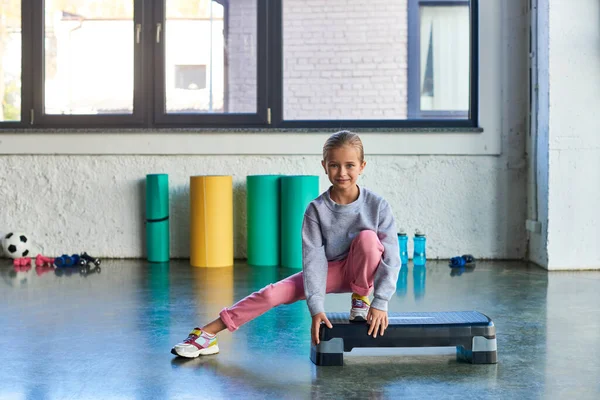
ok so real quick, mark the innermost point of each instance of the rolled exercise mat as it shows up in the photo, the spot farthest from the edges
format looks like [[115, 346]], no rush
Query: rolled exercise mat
[[296, 193], [157, 217], [262, 211], [211, 225]]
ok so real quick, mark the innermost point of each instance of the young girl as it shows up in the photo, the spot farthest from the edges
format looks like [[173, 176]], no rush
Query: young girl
[[349, 244]]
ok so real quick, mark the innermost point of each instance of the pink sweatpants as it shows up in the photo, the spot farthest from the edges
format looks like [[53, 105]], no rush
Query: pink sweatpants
[[353, 274]]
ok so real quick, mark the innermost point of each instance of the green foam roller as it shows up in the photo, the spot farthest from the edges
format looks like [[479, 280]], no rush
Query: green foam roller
[[157, 218], [296, 193], [157, 237], [157, 196], [263, 223]]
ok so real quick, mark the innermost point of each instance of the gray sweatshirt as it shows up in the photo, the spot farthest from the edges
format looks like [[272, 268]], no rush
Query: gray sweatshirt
[[327, 232]]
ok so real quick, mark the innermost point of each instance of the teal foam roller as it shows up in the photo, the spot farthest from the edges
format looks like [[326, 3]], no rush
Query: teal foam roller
[[157, 236], [296, 193], [157, 218], [263, 219], [157, 196]]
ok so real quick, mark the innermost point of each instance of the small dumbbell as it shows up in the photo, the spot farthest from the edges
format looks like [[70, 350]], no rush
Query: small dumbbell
[[22, 262], [40, 260], [76, 259], [89, 259], [63, 261]]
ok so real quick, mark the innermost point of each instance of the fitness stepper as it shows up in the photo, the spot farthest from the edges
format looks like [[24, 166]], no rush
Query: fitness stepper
[[473, 334]]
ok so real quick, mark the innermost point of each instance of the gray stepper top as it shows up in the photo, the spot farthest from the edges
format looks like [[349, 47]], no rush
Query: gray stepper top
[[423, 318]]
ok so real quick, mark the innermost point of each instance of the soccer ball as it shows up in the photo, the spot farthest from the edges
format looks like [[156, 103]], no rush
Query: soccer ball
[[16, 245]]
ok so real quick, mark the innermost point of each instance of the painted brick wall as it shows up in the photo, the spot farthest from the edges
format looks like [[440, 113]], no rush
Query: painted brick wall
[[241, 55], [345, 59]]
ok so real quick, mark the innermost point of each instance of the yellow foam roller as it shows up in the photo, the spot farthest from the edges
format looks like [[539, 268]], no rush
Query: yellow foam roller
[[211, 225]]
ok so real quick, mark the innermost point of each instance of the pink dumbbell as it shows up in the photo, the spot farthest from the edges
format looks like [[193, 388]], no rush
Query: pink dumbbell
[[21, 262], [40, 260]]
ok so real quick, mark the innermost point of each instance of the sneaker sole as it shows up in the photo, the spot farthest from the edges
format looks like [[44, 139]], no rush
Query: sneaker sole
[[358, 315], [204, 352]]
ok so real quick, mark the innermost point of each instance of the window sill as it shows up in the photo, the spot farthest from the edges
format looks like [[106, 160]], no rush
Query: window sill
[[153, 131], [400, 141]]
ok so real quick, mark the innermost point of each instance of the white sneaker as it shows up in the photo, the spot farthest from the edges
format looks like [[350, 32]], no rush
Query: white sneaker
[[198, 343], [359, 311]]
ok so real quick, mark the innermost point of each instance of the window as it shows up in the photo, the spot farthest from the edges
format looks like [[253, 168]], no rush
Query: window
[[88, 58], [10, 61], [238, 63], [439, 69], [201, 34]]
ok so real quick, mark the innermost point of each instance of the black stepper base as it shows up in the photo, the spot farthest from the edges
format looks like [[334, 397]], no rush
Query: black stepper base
[[326, 359], [472, 333], [477, 357]]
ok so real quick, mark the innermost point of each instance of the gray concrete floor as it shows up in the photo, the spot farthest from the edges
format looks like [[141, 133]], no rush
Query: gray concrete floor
[[108, 336]]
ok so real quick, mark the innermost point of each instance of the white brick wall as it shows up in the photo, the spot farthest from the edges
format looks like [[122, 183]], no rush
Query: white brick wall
[[345, 59], [241, 53]]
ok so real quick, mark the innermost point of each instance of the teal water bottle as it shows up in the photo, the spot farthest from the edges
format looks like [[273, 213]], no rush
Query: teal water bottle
[[403, 244], [419, 257]]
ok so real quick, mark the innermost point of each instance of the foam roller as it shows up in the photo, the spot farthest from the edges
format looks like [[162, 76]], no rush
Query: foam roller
[[296, 193], [263, 219], [157, 218], [211, 225]]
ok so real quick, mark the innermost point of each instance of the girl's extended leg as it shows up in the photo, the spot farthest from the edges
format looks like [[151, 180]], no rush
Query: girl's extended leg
[[214, 327], [286, 291], [291, 289], [355, 273]]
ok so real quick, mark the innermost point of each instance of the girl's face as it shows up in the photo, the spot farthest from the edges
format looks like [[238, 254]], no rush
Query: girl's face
[[343, 167]]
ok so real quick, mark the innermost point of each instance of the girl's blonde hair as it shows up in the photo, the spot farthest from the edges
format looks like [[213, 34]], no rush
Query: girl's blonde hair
[[344, 138]]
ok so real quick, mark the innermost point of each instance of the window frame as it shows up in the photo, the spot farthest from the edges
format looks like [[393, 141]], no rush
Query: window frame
[[217, 120], [26, 84], [414, 62], [434, 122], [149, 111], [43, 120]]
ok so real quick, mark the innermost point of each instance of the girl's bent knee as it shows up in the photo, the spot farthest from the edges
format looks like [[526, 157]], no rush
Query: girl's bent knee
[[369, 241], [367, 236]]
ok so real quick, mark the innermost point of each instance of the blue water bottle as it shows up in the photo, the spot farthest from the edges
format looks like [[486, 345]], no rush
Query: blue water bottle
[[403, 244], [419, 257]]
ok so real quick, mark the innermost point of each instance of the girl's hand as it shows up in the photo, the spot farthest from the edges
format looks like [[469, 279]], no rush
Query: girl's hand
[[316, 325], [378, 320]]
